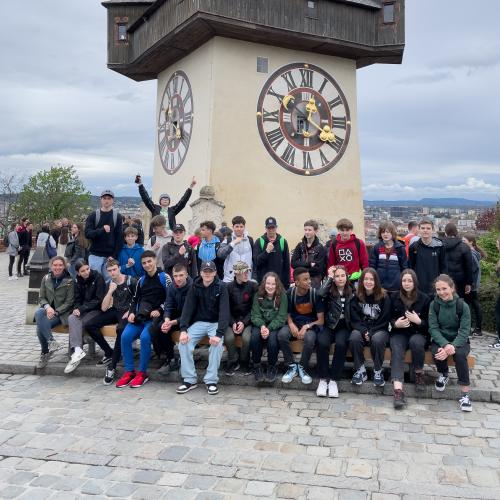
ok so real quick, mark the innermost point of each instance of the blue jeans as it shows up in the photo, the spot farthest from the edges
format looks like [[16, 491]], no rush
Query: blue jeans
[[44, 327], [131, 333], [196, 332], [99, 264]]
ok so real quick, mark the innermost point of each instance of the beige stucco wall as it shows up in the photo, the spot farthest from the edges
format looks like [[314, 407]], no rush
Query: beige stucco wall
[[226, 150]]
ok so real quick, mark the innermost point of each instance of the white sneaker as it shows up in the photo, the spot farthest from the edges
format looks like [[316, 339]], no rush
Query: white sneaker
[[322, 388], [74, 361], [305, 378], [15, 277], [11, 278], [333, 390], [54, 346]]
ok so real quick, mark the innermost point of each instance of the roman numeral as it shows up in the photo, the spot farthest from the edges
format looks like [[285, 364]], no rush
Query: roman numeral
[[306, 159], [324, 160], [337, 144], [185, 136], [169, 93], [323, 85], [288, 77], [287, 117], [182, 86], [171, 161], [275, 138], [163, 145], [186, 99], [289, 155], [175, 84], [306, 96], [307, 78], [335, 102], [188, 117], [270, 116], [272, 92], [339, 122]]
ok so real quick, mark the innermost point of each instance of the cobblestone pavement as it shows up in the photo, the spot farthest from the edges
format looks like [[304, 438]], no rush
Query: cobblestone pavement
[[73, 438], [20, 352]]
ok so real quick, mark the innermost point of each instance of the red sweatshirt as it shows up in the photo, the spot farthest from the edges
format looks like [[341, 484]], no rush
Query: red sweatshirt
[[346, 254]]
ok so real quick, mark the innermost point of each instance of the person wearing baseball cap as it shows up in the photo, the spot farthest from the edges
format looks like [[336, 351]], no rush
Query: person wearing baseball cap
[[205, 313], [272, 254], [164, 208], [103, 228], [241, 292], [179, 251]]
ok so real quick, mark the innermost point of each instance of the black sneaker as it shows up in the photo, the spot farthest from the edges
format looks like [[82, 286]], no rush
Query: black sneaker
[[464, 402], [245, 369], [441, 382], [271, 374], [231, 368], [212, 389], [496, 345], [185, 387], [165, 368], [477, 332], [106, 360], [399, 399], [109, 376], [258, 373]]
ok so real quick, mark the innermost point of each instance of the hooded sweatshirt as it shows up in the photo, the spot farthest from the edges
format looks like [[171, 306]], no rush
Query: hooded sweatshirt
[[428, 262], [305, 256], [277, 260], [231, 253], [90, 292], [370, 316], [345, 253], [448, 329], [176, 297], [131, 253], [206, 303]]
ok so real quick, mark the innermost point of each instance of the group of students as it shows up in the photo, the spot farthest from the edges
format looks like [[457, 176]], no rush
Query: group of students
[[233, 286]]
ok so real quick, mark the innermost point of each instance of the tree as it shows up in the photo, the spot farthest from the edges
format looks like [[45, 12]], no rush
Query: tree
[[53, 194], [486, 220], [10, 185]]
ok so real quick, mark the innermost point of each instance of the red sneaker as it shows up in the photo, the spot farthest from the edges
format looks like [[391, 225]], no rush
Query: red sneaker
[[125, 379], [139, 380]]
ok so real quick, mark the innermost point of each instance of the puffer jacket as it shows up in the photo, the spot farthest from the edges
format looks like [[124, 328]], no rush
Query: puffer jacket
[[58, 293], [13, 248], [389, 267], [458, 261]]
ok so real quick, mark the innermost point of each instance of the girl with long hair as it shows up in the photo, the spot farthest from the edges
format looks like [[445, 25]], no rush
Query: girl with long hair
[[370, 312], [409, 315]]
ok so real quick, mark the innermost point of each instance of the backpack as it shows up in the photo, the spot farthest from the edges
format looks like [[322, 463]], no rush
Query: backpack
[[51, 252], [98, 217], [312, 295], [436, 306], [161, 275], [281, 240]]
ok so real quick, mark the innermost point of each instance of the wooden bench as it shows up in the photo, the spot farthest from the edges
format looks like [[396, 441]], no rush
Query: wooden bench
[[110, 331]]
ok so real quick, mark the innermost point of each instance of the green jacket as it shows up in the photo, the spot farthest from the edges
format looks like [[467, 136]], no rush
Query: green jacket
[[61, 298], [448, 330], [264, 312]]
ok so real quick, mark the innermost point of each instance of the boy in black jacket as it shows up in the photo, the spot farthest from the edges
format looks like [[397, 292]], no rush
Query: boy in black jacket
[[179, 251], [161, 334], [206, 312], [241, 292]]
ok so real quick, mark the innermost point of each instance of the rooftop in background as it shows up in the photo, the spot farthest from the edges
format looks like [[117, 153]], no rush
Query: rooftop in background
[[146, 37]]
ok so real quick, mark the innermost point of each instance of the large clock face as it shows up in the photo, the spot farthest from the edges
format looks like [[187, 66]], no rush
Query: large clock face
[[303, 119], [175, 122]]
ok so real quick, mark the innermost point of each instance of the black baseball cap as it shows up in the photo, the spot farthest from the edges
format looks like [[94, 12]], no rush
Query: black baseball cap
[[178, 227], [271, 221], [208, 265]]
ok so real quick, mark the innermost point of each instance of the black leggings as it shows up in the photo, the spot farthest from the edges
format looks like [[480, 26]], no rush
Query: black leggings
[[472, 299], [12, 259], [326, 338]]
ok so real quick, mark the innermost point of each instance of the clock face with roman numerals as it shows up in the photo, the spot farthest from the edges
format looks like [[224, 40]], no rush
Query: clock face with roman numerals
[[175, 122], [303, 119]]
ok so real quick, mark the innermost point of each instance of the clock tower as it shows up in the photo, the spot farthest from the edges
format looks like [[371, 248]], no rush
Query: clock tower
[[258, 98]]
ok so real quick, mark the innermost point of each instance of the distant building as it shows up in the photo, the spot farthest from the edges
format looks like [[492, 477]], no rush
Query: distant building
[[403, 213]]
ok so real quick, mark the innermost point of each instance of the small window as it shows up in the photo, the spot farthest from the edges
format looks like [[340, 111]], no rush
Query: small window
[[262, 65], [122, 32], [311, 4], [388, 13]]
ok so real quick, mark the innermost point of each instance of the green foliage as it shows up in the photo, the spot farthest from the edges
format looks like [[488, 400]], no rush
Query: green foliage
[[488, 294], [53, 194], [488, 266]]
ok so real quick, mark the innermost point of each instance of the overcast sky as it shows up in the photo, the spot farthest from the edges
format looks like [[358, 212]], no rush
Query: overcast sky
[[427, 127]]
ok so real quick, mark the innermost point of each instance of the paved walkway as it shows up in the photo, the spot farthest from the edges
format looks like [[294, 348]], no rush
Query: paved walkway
[[66, 438]]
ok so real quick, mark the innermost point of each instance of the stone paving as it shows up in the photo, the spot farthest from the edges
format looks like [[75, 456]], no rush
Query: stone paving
[[72, 438]]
